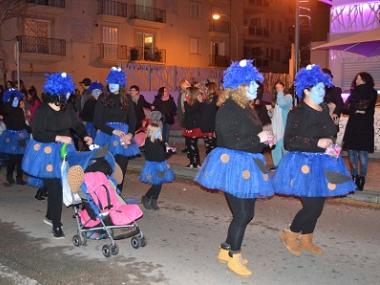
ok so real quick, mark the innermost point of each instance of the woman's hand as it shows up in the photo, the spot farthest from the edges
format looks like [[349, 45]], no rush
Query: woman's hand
[[266, 137], [324, 143], [88, 140], [64, 139], [118, 133]]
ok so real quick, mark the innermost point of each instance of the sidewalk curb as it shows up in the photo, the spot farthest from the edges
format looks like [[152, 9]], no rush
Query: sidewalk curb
[[367, 196]]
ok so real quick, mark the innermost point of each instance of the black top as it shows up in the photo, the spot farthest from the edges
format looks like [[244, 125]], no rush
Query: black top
[[192, 115], [262, 112], [139, 109], [114, 113], [167, 108], [305, 126], [47, 123], [88, 111], [334, 95], [237, 128], [154, 151], [208, 114], [14, 118]]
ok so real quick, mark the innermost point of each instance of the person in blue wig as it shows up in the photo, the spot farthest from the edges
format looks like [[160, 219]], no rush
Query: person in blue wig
[[312, 169], [115, 120], [13, 140], [88, 110], [52, 128], [236, 166]]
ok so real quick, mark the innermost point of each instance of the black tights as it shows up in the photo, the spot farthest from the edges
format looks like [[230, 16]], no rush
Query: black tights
[[154, 191], [243, 211], [54, 204], [192, 151], [13, 163], [122, 161], [305, 220], [210, 143]]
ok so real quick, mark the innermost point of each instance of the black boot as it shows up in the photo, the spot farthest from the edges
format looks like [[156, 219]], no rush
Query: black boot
[[360, 182], [154, 205], [355, 178], [39, 195], [147, 202]]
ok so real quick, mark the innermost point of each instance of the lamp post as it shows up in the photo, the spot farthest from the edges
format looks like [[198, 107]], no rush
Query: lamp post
[[217, 17]]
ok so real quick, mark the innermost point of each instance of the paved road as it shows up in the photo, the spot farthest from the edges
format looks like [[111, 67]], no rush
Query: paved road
[[183, 240]]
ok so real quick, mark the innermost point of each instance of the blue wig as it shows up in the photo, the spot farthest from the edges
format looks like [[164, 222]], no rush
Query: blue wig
[[59, 84], [12, 93], [310, 76], [241, 72], [116, 76], [95, 86]]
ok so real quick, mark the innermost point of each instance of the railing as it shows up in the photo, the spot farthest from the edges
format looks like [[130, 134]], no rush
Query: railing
[[113, 52], [147, 13], [40, 45], [113, 8], [52, 3], [153, 55], [220, 60], [220, 27], [258, 32]]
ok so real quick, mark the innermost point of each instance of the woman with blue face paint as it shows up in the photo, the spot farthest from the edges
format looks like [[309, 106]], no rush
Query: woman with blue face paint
[[236, 166], [115, 120], [307, 171]]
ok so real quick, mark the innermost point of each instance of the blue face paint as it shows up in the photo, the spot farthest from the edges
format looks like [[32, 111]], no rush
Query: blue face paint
[[252, 90], [114, 88], [15, 102], [317, 93]]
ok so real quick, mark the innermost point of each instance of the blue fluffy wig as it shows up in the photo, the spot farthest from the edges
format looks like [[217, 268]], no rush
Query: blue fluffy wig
[[59, 84], [241, 72], [116, 76], [95, 86], [310, 76], [12, 93]]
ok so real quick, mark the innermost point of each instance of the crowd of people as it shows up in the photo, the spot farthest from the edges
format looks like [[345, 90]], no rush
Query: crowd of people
[[234, 122]]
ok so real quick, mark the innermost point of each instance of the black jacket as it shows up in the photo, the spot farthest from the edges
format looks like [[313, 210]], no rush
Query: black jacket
[[139, 110], [208, 115], [167, 108], [334, 95], [192, 115]]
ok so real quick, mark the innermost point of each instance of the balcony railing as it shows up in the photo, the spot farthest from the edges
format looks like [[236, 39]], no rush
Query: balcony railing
[[52, 3], [220, 27], [220, 60], [147, 13], [113, 52], [40, 45], [113, 8], [258, 32], [153, 55]]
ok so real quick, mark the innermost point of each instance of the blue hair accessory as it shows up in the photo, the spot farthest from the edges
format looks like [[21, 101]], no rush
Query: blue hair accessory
[[12, 92], [59, 84], [116, 76], [95, 86], [241, 72], [310, 76]]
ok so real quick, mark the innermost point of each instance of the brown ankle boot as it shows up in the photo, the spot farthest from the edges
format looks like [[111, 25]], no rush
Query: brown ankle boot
[[235, 264], [224, 257], [289, 239], [306, 243]]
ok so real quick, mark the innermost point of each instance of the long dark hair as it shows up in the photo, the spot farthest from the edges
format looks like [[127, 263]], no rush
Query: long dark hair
[[33, 95], [160, 92], [367, 78], [106, 98]]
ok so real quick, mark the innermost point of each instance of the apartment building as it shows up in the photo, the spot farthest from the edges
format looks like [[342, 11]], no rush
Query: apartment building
[[86, 37]]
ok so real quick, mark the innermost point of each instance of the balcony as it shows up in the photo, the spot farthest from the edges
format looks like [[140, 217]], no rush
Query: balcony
[[147, 17], [219, 27], [112, 11], [148, 55], [46, 7], [220, 60], [52, 3], [42, 49], [110, 53], [258, 32]]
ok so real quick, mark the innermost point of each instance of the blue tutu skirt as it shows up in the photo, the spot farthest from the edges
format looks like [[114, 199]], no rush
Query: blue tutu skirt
[[156, 173], [90, 129], [307, 174], [35, 182], [239, 173], [43, 160], [113, 142], [13, 142]]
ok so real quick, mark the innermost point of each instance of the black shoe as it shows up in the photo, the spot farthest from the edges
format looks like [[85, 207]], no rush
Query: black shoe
[[361, 182], [10, 180], [20, 181], [57, 232], [44, 192], [355, 178], [38, 195], [147, 202], [154, 205]]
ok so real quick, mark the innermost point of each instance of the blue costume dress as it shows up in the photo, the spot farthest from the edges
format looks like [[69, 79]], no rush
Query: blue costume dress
[[306, 171], [236, 166]]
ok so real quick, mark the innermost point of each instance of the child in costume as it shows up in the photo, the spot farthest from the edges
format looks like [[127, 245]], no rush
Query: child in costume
[[236, 166], [115, 120], [311, 170], [52, 127], [13, 140], [156, 169]]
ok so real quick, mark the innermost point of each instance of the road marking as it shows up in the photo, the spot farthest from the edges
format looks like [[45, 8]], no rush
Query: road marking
[[9, 273]]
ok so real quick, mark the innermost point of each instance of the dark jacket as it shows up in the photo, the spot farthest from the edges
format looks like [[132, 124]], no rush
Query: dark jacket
[[359, 134], [139, 110], [167, 108], [88, 111], [237, 128], [192, 115], [334, 95], [14, 118], [208, 115]]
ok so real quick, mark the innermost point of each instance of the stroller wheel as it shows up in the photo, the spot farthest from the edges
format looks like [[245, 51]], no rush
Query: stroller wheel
[[142, 242], [106, 250], [135, 242], [76, 240], [114, 249]]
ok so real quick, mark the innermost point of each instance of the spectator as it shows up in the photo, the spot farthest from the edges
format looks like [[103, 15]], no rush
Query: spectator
[[32, 103], [139, 103], [334, 99]]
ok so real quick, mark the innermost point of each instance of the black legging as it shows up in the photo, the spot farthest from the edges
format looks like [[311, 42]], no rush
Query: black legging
[[210, 143], [305, 220], [122, 161], [154, 191], [243, 211], [14, 162], [54, 204], [192, 150]]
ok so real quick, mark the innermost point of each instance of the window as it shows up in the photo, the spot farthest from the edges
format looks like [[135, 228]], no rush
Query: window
[[146, 43], [195, 9], [194, 46], [37, 34], [110, 42]]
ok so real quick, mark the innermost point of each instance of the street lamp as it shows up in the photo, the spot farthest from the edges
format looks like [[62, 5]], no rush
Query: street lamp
[[217, 17]]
